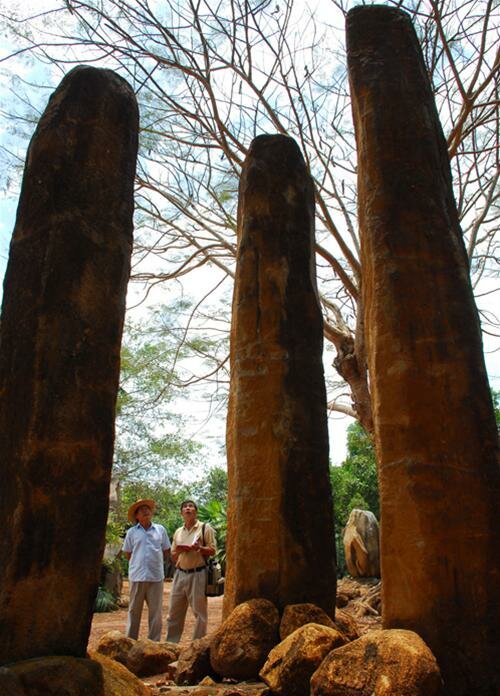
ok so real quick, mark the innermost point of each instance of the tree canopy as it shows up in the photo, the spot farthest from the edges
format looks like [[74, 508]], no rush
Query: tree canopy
[[210, 76]]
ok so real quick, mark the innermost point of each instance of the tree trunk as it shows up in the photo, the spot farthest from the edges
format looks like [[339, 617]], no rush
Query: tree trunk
[[434, 424]]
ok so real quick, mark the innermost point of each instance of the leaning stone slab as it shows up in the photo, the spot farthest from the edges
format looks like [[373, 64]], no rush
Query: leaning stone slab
[[435, 431], [242, 643], [277, 435], [290, 665], [118, 680], [381, 663], [60, 333]]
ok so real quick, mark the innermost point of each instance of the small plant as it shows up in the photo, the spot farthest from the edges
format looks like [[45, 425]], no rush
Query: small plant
[[104, 601]]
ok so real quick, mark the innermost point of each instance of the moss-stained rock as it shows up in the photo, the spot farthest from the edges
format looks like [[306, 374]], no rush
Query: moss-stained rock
[[60, 333]]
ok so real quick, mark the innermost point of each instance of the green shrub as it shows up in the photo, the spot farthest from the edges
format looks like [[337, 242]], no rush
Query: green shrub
[[104, 601]]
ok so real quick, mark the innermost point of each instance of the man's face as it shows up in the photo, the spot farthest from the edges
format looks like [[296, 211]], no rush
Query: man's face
[[143, 514], [188, 512]]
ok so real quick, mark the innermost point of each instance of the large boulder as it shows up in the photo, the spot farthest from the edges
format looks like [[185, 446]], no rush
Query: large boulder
[[193, 663], [382, 663], [242, 643], [71, 676], [118, 680], [297, 615], [290, 665], [149, 657], [361, 544]]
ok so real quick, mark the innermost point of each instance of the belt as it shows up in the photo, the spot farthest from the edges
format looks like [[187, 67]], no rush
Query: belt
[[192, 570]]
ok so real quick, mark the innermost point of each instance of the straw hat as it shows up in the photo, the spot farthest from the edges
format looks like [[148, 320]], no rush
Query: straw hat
[[132, 509]]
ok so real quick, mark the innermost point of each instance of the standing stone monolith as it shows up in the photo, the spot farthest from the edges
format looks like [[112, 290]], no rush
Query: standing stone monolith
[[280, 541], [435, 431], [61, 326]]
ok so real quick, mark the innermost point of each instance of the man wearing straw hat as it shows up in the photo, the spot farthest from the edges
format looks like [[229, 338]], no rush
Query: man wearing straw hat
[[146, 545]]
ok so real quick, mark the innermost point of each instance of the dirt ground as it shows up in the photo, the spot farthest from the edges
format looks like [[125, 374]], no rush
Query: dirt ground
[[117, 620]]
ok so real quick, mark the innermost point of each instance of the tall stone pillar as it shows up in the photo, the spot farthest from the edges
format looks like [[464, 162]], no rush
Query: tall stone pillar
[[280, 542], [434, 427], [62, 318]]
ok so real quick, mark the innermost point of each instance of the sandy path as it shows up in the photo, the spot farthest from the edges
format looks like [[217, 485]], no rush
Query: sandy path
[[116, 620]]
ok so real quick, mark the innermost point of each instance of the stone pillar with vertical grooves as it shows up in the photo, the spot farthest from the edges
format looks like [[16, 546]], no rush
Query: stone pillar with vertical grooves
[[61, 326], [280, 521], [434, 424]]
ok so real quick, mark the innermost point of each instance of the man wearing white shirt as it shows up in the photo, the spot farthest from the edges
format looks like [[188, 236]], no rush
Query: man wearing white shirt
[[146, 546]]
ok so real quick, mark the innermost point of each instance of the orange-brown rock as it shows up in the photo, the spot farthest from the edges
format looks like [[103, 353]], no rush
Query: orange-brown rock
[[435, 431], [280, 539], [118, 680], [52, 676], [290, 665], [193, 663], [61, 325], [242, 643], [297, 615], [383, 663], [148, 657], [345, 623], [361, 544], [115, 645]]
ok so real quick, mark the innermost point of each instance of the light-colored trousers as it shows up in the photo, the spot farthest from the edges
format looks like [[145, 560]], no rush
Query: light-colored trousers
[[152, 593], [188, 589]]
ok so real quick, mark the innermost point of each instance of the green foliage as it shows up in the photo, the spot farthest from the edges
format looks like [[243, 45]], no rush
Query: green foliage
[[104, 601], [354, 483], [149, 441], [495, 395], [215, 513], [213, 487]]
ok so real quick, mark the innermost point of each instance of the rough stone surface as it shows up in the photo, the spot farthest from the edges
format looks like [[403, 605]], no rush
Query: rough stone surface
[[61, 325], [242, 643], [435, 430], [53, 676], [10, 684], [345, 623], [361, 544], [118, 680], [194, 662], [383, 663], [148, 657], [290, 665], [277, 436], [296, 615], [115, 645]]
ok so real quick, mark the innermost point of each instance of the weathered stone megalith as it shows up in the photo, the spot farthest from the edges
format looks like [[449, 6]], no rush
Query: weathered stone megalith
[[62, 318], [434, 427], [362, 544], [280, 517]]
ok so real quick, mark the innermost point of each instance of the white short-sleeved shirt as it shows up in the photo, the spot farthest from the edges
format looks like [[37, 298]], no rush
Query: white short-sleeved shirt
[[146, 547]]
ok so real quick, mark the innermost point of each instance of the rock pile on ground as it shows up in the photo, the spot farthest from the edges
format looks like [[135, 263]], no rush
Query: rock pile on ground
[[255, 653]]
